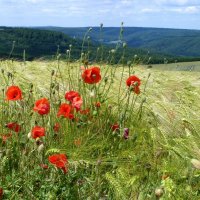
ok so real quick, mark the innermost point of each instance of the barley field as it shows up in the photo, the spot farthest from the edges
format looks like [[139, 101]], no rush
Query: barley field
[[99, 131]]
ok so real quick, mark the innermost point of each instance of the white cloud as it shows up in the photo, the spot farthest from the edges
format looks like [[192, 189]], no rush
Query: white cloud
[[150, 10]]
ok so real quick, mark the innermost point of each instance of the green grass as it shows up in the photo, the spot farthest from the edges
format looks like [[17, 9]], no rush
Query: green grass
[[164, 134]]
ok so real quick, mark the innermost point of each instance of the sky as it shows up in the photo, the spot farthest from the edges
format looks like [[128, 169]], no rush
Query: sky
[[80, 13]]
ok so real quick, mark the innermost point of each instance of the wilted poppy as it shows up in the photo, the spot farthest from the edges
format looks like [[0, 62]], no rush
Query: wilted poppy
[[69, 96], [5, 137], [14, 126], [1, 193], [42, 106], [91, 75], [60, 161], [37, 132], [56, 127], [66, 111], [85, 112], [134, 82], [13, 93], [115, 127], [77, 142], [44, 166], [98, 104]]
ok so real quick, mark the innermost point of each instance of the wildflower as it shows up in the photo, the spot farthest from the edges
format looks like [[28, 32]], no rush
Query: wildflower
[[69, 96], [60, 161], [13, 93], [56, 127], [91, 75], [66, 111], [134, 82], [115, 127], [42, 106], [126, 133], [14, 126], [38, 132], [98, 104]]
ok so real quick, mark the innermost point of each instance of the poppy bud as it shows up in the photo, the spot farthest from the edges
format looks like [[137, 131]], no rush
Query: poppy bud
[[195, 163], [124, 45], [52, 72], [106, 79], [40, 147], [29, 135], [126, 133], [158, 192], [97, 104]]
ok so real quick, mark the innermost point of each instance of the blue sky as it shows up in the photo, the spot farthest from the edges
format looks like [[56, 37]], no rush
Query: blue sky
[[72, 13]]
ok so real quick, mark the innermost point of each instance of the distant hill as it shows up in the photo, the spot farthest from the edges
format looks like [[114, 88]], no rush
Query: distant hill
[[175, 42], [44, 43], [36, 43]]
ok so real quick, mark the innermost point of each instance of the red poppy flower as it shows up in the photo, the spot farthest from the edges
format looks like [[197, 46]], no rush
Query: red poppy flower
[[77, 103], [66, 111], [60, 161], [42, 106], [13, 93], [115, 127], [56, 127], [134, 81], [37, 132], [91, 75], [1, 193], [71, 95], [14, 126]]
